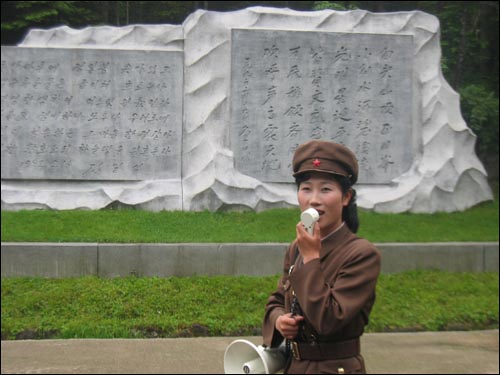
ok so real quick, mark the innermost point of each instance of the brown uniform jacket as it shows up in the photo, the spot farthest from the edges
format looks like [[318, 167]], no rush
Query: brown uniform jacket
[[336, 294]]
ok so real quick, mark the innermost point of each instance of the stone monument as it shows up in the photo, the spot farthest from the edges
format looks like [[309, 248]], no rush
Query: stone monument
[[218, 129], [431, 166]]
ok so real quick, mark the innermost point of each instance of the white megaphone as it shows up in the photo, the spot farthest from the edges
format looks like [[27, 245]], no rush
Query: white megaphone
[[244, 357]]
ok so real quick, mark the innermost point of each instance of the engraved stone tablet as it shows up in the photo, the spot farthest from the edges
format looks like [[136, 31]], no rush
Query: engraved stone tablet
[[288, 87], [82, 114]]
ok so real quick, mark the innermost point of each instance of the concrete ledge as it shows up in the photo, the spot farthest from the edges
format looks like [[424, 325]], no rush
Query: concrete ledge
[[49, 259], [58, 260], [449, 256], [189, 259]]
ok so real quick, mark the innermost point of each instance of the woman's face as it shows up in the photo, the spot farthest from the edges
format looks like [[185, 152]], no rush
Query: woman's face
[[323, 193]]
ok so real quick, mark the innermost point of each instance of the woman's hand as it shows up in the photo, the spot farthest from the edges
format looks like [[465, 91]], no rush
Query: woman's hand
[[309, 245], [288, 325]]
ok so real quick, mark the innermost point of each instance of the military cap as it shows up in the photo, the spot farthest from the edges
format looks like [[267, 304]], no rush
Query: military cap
[[324, 156]]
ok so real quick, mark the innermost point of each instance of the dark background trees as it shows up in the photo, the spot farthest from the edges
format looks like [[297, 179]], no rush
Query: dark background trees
[[469, 39]]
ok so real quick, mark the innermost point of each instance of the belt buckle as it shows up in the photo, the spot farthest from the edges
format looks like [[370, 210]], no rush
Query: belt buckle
[[295, 350]]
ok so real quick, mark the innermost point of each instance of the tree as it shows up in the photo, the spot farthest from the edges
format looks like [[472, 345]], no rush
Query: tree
[[19, 16], [480, 110]]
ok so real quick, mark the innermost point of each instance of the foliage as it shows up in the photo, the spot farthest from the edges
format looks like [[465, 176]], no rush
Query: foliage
[[468, 39], [131, 307], [19, 16], [480, 111], [320, 5]]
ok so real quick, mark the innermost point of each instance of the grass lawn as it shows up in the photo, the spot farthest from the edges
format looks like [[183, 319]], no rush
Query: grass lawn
[[479, 223], [131, 307]]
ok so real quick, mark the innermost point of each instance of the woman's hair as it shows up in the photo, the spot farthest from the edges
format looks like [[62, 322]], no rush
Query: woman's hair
[[349, 212]]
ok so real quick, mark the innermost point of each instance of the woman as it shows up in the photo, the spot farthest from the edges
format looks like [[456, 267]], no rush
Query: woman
[[327, 289]]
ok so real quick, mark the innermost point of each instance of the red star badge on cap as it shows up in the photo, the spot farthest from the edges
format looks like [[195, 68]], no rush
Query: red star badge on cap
[[316, 162]]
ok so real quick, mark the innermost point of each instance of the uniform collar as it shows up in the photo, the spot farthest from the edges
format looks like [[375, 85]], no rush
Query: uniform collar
[[334, 240], [333, 232]]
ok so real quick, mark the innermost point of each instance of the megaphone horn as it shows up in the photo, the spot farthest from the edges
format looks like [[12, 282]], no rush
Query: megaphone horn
[[244, 357]]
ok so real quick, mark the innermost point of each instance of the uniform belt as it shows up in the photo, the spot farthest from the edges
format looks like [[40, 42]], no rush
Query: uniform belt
[[318, 351]]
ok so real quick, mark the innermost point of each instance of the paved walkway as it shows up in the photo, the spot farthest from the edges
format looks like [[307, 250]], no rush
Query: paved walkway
[[474, 352]]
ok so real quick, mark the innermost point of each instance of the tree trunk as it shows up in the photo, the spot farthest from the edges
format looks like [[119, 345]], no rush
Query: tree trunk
[[127, 20], [105, 11], [117, 8], [462, 48], [379, 6]]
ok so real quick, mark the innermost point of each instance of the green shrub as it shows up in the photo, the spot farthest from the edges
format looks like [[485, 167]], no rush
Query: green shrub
[[480, 111]]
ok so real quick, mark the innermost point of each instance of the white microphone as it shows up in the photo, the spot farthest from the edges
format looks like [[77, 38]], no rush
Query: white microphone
[[308, 218]]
